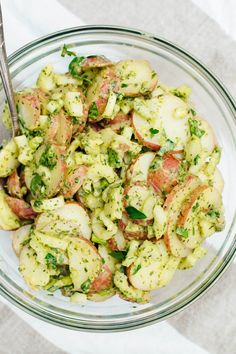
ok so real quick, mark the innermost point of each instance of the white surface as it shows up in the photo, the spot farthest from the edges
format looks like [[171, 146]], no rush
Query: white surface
[[222, 11], [160, 338]]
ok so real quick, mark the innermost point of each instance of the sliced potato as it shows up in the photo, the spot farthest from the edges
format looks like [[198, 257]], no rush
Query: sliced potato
[[164, 176], [71, 219], [20, 208], [136, 76], [102, 295], [36, 275], [138, 171], [103, 281], [117, 242], [192, 258], [144, 273], [168, 271], [127, 291], [74, 181], [8, 220], [107, 258], [19, 237], [52, 241], [44, 205], [173, 204], [8, 158], [14, 185], [85, 263]]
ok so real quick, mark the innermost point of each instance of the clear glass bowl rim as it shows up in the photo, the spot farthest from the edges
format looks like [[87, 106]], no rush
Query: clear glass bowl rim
[[72, 323]]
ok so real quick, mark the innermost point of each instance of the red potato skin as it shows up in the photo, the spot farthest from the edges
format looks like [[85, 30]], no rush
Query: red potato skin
[[110, 82], [138, 235], [22, 209], [71, 185], [121, 120], [152, 146], [31, 99], [167, 205], [172, 194], [60, 129], [95, 61], [187, 207], [112, 244], [52, 129], [103, 280], [166, 176], [14, 185]]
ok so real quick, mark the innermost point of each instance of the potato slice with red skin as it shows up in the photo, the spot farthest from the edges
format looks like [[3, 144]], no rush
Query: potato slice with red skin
[[138, 171], [60, 129], [29, 107], [22, 209], [137, 77], [65, 129], [117, 242], [95, 61], [52, 129], [140, 124], [71, 219], [186, 210], [14, 185], [74, 181], [165, 177], [103, 280], [19, 236], [120, 121], [140, 232], [173, 205], [84, 261], [98, 92]]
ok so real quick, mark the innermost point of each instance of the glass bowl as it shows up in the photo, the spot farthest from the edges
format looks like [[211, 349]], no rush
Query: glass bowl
[[174, 67]]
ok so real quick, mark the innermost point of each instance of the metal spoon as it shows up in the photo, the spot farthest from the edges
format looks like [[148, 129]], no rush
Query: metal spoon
[[6, 81]]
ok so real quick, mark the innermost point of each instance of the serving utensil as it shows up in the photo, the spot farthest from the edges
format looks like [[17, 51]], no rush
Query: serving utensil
[[6, 81]]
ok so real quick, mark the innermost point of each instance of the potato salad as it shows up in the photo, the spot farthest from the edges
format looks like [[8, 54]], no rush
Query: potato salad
[[112, 185]]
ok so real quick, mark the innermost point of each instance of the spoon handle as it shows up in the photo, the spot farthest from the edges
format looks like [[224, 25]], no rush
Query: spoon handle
[[6, 80]]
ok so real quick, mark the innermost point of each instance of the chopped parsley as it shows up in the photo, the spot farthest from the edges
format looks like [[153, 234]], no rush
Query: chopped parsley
[[153, 132], [93, 111], [196, 159], [75, 68], [113, 158], [75, 120], [135, 213], [51, 261], [119, 255], [48, 158], [37, 185], [193, 112], [136, 269], [194, 128], [86, 285], [123, 85], [37, 203], [195, 207], [181, 231], [213, 213], [65, 51]]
